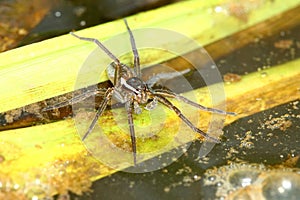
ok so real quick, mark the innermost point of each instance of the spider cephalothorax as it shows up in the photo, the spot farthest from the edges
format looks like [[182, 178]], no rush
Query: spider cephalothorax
[[129, 89]]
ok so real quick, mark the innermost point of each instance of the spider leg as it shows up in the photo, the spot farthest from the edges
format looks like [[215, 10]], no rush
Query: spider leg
[[100, 110], [73, 100], [167, 103], [116, 60], [168, 93], [109, 53], [137, 68], [129, 107]]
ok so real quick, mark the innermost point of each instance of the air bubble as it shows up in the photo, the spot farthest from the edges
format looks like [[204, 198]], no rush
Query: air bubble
[[252, 181], [57, 14], [196, 177], [219, 184], [243, 178], [212, 178], [282, 186], [82, 23], [167, 189]]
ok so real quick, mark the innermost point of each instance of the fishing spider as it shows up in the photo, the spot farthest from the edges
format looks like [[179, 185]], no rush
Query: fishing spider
[[129, 89]]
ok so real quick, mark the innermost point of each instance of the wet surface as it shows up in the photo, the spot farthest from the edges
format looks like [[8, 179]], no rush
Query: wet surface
[[267, 138], [184, 179]]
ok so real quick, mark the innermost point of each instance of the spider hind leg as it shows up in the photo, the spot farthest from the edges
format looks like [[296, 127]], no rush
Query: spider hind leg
[[167, 103]]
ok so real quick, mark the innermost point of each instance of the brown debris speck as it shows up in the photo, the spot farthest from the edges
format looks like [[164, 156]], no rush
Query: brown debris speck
[[231, 78], [2, 159], [283, 44]]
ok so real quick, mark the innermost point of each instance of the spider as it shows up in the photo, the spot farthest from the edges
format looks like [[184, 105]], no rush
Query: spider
[[129, 89]]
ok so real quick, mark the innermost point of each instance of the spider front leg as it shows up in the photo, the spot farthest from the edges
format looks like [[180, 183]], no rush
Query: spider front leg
[[129, 108], [102, 107], [137, 68], [99, 44], [167, 103], [108, 52]]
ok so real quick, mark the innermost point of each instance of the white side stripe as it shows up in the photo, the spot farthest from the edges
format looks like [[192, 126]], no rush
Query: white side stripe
[[124, 83]]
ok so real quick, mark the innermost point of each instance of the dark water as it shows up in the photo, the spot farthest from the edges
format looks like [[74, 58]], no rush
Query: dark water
[[66, 16]]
